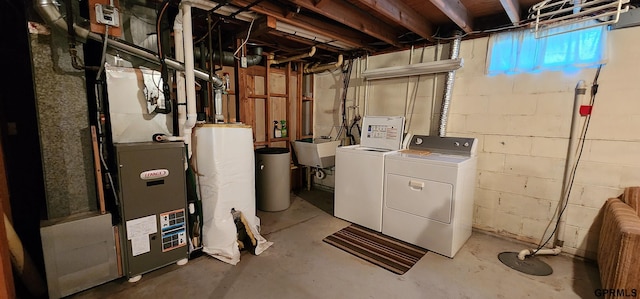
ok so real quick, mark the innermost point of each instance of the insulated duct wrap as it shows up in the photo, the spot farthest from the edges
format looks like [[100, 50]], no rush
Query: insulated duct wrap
[[448, 90], [224, 160]]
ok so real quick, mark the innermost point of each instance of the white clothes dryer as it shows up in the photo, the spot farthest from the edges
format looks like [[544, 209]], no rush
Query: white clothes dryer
[[428, 193]]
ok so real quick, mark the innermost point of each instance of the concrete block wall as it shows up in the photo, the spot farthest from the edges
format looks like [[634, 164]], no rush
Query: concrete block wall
[[522, 123]]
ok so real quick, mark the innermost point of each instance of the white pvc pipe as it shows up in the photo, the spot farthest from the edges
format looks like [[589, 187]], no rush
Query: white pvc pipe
[[189, 75], [580, 93], [366, 87], [545, 251], [180, 77]]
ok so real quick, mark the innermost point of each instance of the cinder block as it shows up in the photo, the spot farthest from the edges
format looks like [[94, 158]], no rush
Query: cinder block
[[524, 206], [570, 236], [548, 189], [550, 147], [461, 86], [418, 123], [555, 103], [595, 196], [614, 127], [615, 101], [511, 224], [502, 182], [507, 104], [542, 167], [582, 217], [505, 144], [535, 229], [456, 123], [487, 124], [528, 83], [587, 239], [491, 161], [484, 218], [538, 125], [470, 104], [421, 104], [426, 86], [389, 60], [615, 152], [490, 85], [629, 176], [599, 174], [486, 198]]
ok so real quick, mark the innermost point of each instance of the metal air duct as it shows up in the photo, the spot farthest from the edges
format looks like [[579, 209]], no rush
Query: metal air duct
[[448, 90], [51, 14]]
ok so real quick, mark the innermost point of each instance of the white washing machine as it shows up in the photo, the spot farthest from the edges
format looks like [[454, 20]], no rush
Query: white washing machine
[[359, 171], [428, 193]]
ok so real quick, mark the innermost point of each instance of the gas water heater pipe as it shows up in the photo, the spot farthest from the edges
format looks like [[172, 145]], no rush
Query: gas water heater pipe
[[190, 81], [272, 59], [580, 92], [180, 83], [49, 11], [181, 95], [322, 68]]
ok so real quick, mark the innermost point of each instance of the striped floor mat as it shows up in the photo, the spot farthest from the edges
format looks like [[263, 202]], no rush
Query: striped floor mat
[[384, 251]]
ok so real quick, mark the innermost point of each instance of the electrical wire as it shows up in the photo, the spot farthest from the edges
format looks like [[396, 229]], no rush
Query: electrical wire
[[245, 41], [583, 135], [99, 132], [346, 77]]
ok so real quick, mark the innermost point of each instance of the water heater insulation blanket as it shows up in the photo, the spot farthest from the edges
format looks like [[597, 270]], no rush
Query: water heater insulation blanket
[[224, 162]]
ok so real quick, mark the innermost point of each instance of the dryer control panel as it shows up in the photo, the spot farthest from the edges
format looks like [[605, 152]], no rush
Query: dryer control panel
[[445, 145]]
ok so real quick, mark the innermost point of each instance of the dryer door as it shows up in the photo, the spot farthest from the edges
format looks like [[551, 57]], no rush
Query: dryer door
[[420, 197]]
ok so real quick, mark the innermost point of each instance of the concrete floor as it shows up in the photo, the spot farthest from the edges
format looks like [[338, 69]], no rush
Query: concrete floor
[[300, 265]]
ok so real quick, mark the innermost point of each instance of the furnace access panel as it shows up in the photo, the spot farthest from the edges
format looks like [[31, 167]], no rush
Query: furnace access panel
[[152, 192]]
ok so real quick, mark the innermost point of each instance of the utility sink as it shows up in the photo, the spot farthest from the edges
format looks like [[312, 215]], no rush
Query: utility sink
[[319, 153]]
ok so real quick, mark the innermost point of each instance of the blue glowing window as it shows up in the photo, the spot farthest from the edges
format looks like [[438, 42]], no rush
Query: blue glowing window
[[520, 51]]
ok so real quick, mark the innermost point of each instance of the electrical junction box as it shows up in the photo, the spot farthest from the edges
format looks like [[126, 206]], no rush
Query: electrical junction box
[[243, 62], [152, 194], [107, 14]]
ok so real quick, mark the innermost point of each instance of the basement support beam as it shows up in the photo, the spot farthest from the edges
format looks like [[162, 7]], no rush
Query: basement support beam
[[512, 8], [350, 37], [345, 13], [456, 11], [403, 14]]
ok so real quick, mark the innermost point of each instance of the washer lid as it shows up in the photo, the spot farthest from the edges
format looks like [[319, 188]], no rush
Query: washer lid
[[382, 132]]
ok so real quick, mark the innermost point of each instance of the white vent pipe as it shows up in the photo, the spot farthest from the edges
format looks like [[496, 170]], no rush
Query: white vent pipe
[[190, 81], [448, 90], [181, 94]]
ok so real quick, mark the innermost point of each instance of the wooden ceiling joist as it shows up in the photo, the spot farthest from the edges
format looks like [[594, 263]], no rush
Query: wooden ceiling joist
[[512, 7], [403, 14], [343, 12], [456, 11], [351, 37]]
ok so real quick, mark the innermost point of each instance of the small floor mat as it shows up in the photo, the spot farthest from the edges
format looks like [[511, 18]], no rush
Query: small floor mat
[[389, 253]]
